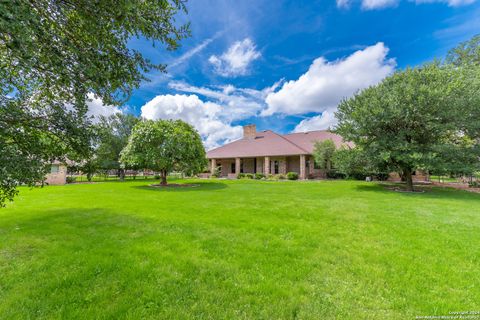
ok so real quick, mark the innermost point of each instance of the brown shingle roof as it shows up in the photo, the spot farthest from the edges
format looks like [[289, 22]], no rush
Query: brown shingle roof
[[306, 140], [269, 143]]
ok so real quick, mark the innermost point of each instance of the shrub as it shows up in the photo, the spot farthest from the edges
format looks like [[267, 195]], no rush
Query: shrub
[[157, 176], [357, 175], [271, 177], [474, 184], [259, 176], [71, 179], [216, 173], [245, 176], [292, 176], [382, 176], [333, 174], [281, 176]]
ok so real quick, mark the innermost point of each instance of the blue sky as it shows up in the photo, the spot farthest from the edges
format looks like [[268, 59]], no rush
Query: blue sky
[[285, 65]]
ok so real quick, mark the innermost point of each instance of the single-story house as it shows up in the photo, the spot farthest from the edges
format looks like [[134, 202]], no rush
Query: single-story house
[[268, 152], [58, 174]]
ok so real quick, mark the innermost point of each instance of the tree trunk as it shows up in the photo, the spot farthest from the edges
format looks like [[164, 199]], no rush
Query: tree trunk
[[407, 173], [121, 174], [163, 176]]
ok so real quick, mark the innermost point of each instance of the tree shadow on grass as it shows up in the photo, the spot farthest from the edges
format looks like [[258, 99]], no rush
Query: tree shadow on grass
[[89, 224], [196, 186], [429, 191]]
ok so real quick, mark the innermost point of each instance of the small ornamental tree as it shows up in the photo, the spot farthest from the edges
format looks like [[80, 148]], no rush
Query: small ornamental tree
[[323, 152], [165, 146], [357, 164]]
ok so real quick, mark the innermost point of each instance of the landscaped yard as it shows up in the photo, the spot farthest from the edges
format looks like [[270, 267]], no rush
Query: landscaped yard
[[238, 249]]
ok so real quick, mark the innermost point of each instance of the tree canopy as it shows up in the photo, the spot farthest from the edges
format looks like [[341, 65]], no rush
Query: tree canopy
[[466, 53], [56, 54], [416, 118], [164, 146], [323, 152], [112, 136]]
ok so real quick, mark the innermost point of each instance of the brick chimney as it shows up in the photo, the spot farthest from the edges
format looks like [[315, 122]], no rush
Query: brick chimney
[[249, 131]]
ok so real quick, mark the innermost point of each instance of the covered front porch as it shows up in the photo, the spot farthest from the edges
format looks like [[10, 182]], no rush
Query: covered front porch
[[231, 167]]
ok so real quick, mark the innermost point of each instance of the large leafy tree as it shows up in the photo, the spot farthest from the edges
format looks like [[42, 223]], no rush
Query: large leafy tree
[[53, 56], [113, 133], [466, 57], [415, 118], [164, 146], [466, 53]]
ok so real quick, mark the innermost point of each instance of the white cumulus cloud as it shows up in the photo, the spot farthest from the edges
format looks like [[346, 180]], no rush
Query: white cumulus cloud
[[236, 60], [96, 108], [345, 4], [206, 117], [378, 4], [326, 83], [239, 103], [381, 4], [326, 120], [451, 3]]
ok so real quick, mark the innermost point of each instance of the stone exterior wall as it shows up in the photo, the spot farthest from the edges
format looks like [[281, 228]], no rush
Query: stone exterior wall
[[57, 177], [226, 166], [248, 165], [260, 165], [293, 164], [285, 164], [282, 165]]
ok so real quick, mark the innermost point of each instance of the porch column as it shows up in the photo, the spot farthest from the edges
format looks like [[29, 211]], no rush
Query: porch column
[[267, 165], [302, 167], [237, 166], [214, 166]]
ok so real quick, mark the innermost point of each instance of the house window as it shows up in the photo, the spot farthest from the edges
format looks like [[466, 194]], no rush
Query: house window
[[54, 168], [233, 168], [241, 166], [276, 167], [254, 165]]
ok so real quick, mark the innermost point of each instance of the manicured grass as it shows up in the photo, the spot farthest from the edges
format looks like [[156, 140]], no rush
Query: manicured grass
[[238, 249]]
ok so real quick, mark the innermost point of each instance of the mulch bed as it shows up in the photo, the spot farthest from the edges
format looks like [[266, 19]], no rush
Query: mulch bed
[[457, 185], [426, 186], [400, 189], [175, 185]]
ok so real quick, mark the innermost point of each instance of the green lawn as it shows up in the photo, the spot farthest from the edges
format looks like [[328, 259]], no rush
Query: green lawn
[[238, 250]]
